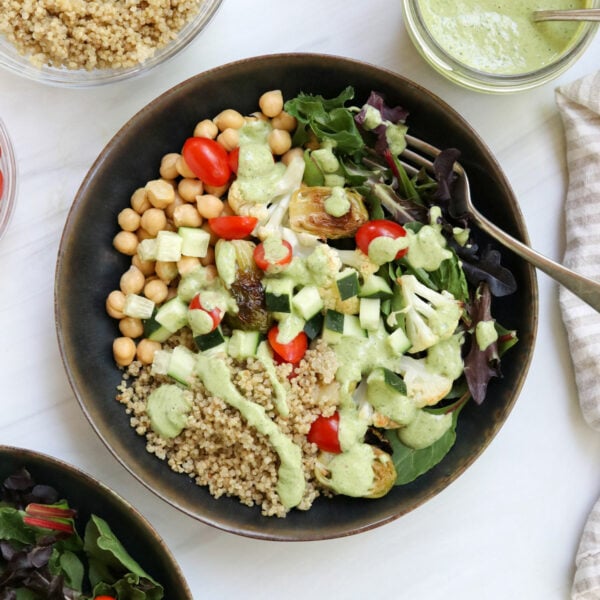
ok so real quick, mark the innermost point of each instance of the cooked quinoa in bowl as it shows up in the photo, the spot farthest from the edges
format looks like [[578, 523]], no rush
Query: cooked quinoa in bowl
[[83, 42], [301, 356]]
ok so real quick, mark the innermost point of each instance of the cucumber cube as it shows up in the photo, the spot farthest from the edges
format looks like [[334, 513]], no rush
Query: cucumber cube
[[168, 246], [194, 241]]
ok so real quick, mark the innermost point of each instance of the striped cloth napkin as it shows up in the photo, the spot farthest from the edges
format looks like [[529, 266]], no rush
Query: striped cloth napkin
[[579, 106]]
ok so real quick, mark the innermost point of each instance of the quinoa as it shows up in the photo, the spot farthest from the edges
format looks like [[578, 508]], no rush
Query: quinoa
[[93, 34], [217, 448]]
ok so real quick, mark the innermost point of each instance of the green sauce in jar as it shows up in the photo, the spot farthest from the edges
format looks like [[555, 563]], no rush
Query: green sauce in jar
[[500, 37]]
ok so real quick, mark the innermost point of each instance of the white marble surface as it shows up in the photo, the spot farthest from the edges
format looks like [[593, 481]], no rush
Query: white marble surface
[[507, 528]]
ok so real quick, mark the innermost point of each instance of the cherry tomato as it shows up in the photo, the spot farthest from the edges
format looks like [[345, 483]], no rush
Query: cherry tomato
[[232, 227], [1, 184], [104, 598], [324, 433], [379, 228], [291, 352], [261, 260], [216, 314], [233, 159], [207, 159]]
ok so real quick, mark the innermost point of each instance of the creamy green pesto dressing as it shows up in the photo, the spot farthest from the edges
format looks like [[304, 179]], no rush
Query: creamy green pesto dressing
[[426, 248], [445, 357], [351, 472], [274, 248], [168, 409], [280, 395], [337, 203], [500, 37], [485, 334], [383, 249], [217, 379], [425, 429], [388, 401]]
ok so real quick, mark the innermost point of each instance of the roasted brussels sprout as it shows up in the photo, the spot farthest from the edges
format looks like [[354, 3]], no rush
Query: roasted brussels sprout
[[308, 214]]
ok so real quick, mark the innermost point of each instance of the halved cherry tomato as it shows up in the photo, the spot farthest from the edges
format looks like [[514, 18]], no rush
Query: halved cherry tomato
[[216, 314], [233, 158], [207, 159], [104, 598], [1, 184], [291, 352], [324, 433], [261, 260], [379, 228], [232, 227]]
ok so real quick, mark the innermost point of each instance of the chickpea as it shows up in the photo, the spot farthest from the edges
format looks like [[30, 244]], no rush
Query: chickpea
[[284, 121], [142, 234], [132, 281], [209, 257], [271, 103], [287, 158], [206, 129], [128, 219], [153, 221], [170, 210], [216, 190], [209, 206], [256, 116], [115, 302], [123, 351], [229, 138], [168, 166], [160, 193], [280, 141], [229, 118], [167, 271], [186, 264], [139, 201], [131, 327], [187, 215], [190, 188], [156, 290], [214, 238], [211, 272], [126, 242], [146, 350], [145, 266], [183, 168]]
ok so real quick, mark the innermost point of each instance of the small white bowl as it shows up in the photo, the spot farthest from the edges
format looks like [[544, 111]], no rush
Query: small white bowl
[[12, 60], [8, 170]]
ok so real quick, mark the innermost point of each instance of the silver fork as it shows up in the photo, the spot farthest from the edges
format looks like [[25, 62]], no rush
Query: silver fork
[[419, 154]]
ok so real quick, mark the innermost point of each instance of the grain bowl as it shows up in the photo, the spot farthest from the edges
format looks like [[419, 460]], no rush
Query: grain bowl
[[87, 496], [83, 284], [83, 44]]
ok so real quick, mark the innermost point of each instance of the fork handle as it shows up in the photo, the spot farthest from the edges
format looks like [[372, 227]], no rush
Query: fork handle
[[586, 289]]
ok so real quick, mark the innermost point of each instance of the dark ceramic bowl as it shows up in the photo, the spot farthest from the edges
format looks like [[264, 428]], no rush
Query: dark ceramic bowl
[[88, 269], [89, 496]]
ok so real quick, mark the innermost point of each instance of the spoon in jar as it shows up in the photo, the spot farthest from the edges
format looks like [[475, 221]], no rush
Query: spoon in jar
[[578, 14]]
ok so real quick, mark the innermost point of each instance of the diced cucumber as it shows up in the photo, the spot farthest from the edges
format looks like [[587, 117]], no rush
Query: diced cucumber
[[398, 341], [307, 302], [278, 294], [147, 249], [138, 307], [243, 344], [347, 283], [168, 246], [209, 340], [182, 363], [154, 331], [194, 241], [334, 321], [370, 313], [375, 286], [160, 362], [314, 326], [352, 327], [331, 337], [172, 315]]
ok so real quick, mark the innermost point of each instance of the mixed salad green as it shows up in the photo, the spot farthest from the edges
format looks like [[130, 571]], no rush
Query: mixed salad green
[[42, 556]]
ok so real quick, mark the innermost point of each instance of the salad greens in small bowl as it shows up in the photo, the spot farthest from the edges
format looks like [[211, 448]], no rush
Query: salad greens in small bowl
[[64, 534], [294, 337]]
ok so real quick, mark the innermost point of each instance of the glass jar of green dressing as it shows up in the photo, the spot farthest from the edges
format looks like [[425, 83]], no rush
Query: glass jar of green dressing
[[494, 46]]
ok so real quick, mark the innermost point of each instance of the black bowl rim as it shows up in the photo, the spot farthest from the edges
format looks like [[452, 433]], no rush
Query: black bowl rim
[[520, 222]]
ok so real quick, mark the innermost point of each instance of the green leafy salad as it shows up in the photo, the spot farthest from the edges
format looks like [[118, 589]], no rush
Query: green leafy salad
[[312, 288], [43, 557]]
